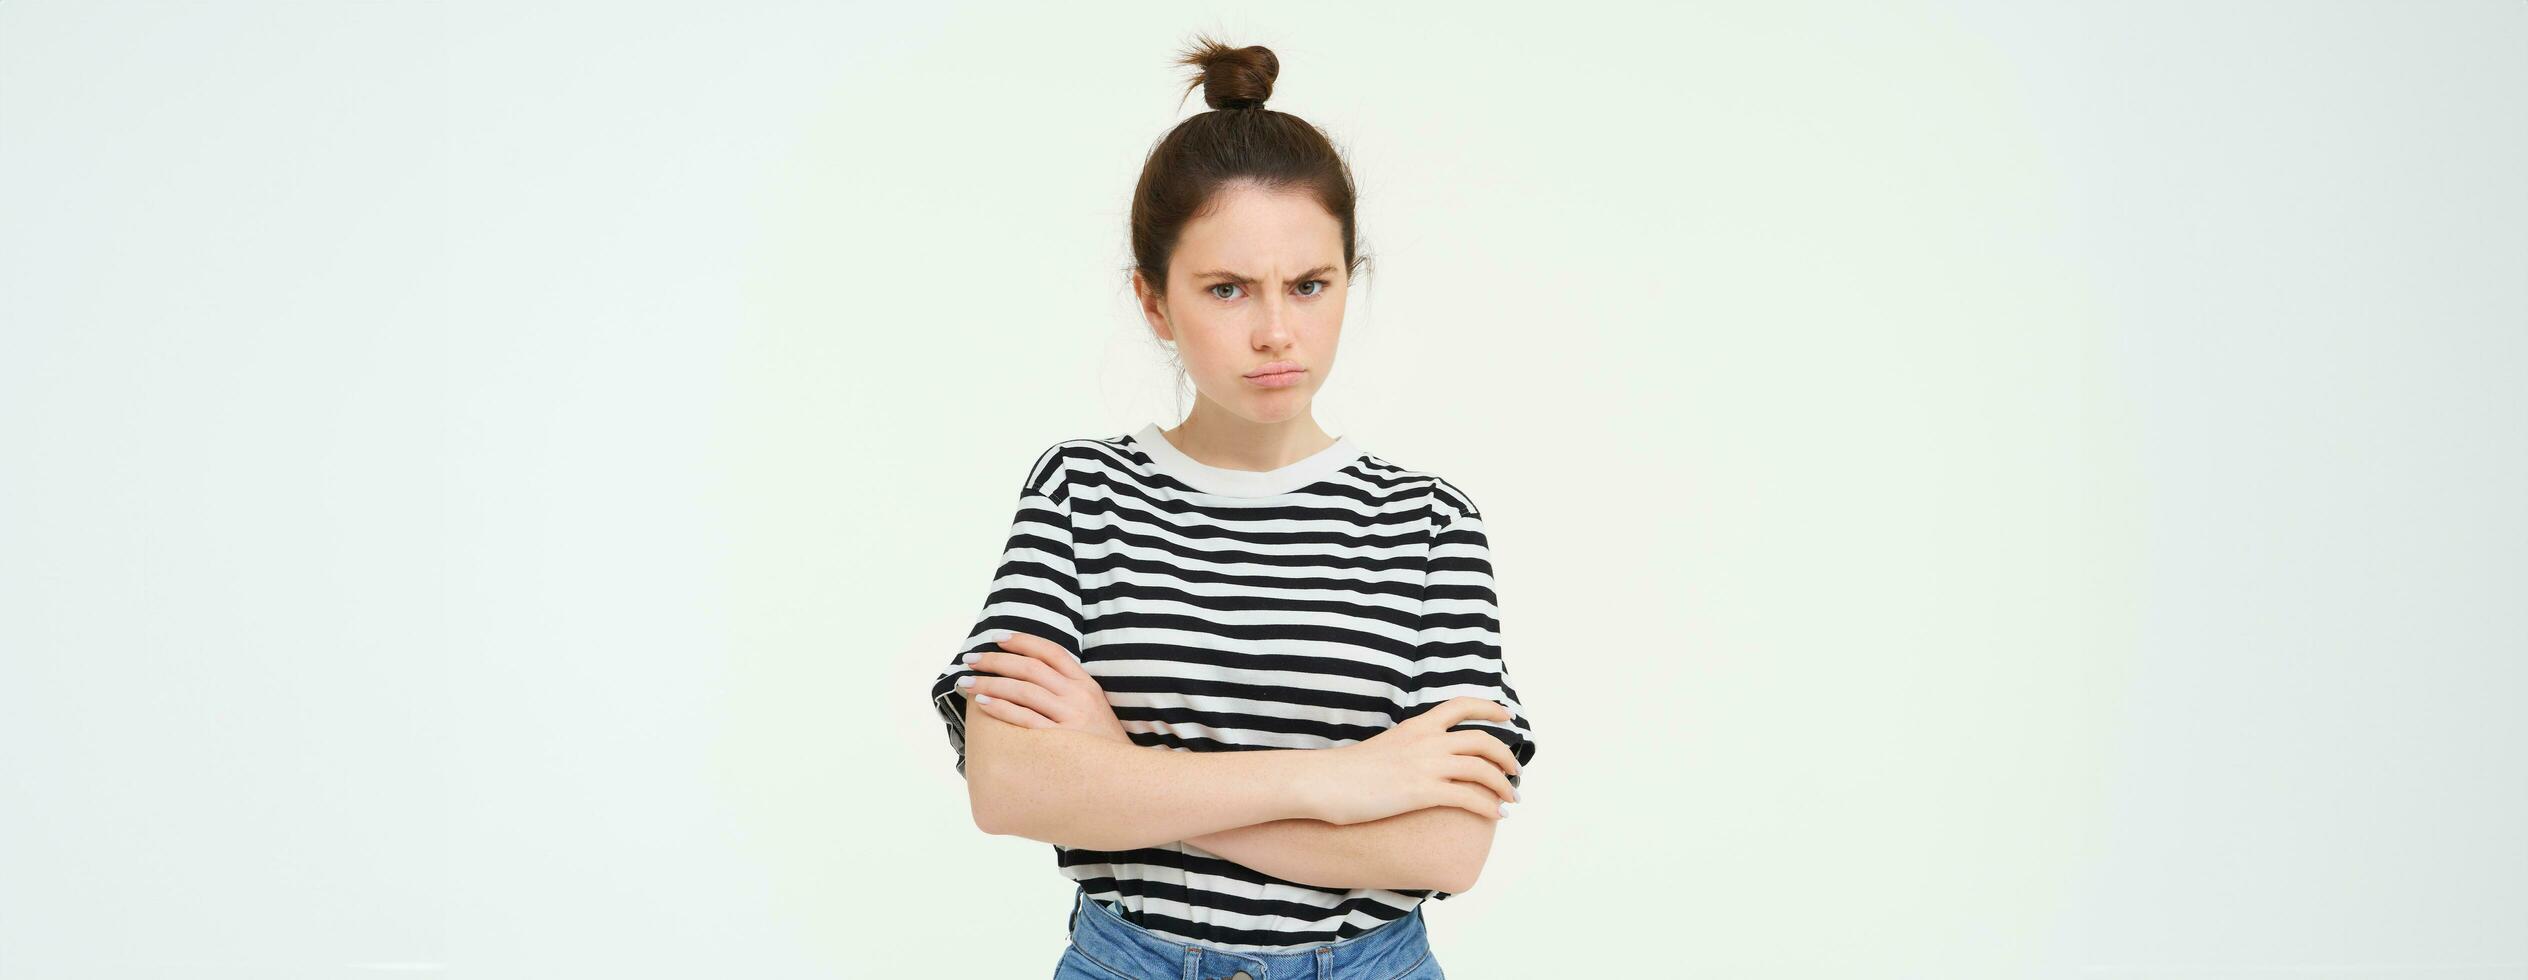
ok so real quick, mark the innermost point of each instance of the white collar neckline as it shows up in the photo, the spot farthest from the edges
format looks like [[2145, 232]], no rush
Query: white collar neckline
[[1306, 470]]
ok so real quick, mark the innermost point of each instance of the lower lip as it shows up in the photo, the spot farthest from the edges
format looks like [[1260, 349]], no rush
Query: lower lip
[[1279, 379]]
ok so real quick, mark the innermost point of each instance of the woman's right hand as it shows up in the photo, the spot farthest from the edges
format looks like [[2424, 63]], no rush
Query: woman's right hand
[[1418, 764]]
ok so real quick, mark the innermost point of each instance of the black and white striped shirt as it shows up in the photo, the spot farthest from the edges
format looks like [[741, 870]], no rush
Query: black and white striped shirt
[[1309, 606]]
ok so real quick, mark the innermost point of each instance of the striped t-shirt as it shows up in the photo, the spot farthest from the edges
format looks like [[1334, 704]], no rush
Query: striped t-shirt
[[1308, 606]]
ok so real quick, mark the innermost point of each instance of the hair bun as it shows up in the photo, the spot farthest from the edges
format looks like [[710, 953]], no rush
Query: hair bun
[[1231, 78]]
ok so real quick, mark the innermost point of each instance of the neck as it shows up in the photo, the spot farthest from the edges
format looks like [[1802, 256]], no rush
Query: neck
[[1213, 436]]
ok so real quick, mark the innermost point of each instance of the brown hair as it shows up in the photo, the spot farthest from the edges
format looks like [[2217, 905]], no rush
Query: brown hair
[[1239, 140]]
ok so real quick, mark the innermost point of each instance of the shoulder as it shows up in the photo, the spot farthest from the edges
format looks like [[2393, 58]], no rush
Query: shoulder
[[1054, 465], [1449, 502]]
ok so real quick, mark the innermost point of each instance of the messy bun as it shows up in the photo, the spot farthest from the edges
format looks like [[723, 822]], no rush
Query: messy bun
[[1231, 78], [1238, 141]]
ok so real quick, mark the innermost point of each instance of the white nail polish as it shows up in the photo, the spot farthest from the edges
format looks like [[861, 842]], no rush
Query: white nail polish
[[966, 681], [1505, 809]]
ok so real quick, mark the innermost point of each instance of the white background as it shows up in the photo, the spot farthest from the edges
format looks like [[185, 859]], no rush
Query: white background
[[1978, 490]]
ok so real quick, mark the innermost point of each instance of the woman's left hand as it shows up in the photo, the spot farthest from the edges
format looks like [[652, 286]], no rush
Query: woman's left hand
[[1032, 682]]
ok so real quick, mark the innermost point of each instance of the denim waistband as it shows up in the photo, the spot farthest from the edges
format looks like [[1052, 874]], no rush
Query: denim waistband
[[1100, 933]]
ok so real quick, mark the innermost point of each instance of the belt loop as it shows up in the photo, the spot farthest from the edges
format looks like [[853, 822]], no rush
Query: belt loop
[[1325, 963]]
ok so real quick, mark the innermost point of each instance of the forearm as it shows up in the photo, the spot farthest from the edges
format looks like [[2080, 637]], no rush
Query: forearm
[[1441, 847], [1078, 790]]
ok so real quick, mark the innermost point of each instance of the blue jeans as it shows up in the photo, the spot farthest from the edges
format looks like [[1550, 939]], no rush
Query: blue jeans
[[1105, 947]]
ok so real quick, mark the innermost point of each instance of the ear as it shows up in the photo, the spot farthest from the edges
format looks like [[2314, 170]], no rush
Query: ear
[[1153, 308]]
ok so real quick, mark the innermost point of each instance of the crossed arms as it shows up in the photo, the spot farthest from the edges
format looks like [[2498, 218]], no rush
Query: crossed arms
[[1267, 809]]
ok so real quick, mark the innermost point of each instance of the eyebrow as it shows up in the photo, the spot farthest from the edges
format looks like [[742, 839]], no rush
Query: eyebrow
[[1316, 273]]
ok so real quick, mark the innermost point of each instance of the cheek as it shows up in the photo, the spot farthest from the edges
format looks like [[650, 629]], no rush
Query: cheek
[[1211, 353], [1325, 327]]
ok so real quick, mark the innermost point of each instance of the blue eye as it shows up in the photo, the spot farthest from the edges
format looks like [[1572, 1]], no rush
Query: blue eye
[[1222, 285], [1321, 285]]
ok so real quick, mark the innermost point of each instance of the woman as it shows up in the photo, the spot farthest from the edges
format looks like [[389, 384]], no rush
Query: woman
[[1242, 582]]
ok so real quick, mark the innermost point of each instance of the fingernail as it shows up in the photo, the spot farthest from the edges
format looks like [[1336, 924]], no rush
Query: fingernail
[[1505, 809], [1514, 791], [966, 681], [983, 699], [972, 657]]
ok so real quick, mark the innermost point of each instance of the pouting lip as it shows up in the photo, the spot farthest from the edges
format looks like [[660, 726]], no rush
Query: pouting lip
[[1277, 367]]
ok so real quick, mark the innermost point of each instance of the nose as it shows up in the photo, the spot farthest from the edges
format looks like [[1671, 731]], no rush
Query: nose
[[1273, 331]]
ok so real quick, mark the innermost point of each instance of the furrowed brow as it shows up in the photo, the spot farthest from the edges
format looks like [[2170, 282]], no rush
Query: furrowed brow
[[1226, 275]]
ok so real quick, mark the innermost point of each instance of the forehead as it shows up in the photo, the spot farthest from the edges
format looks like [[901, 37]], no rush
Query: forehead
[[1251, 229]]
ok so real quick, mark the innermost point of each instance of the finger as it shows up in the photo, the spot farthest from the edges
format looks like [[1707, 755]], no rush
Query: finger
[[1485, 709], [1020, 693], [1483, 743], [1450, 713], [1011, 713], [1030, 669], [1469, 769], [1062, 660], [1477, 800]]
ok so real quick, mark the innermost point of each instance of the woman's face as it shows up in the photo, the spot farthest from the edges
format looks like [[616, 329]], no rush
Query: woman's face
[[1256, 284]]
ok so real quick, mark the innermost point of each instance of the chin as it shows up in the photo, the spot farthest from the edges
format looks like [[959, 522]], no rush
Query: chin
[[1275, 408]]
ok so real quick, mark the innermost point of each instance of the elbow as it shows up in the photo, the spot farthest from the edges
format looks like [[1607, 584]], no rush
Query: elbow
[[995, 816], [1459, 877], [1001, 820], [1003, 778], [1462, 864], [997, 775], [1011, 791], [986, 819], [1005, 809], [985, 800]]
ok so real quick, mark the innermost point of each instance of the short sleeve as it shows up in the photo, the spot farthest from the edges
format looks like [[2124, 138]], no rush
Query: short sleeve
[[1034, 589], [1458, 636]]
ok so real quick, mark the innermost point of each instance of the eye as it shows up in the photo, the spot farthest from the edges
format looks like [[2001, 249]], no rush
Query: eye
[[1221, 285], [1321, 285]]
